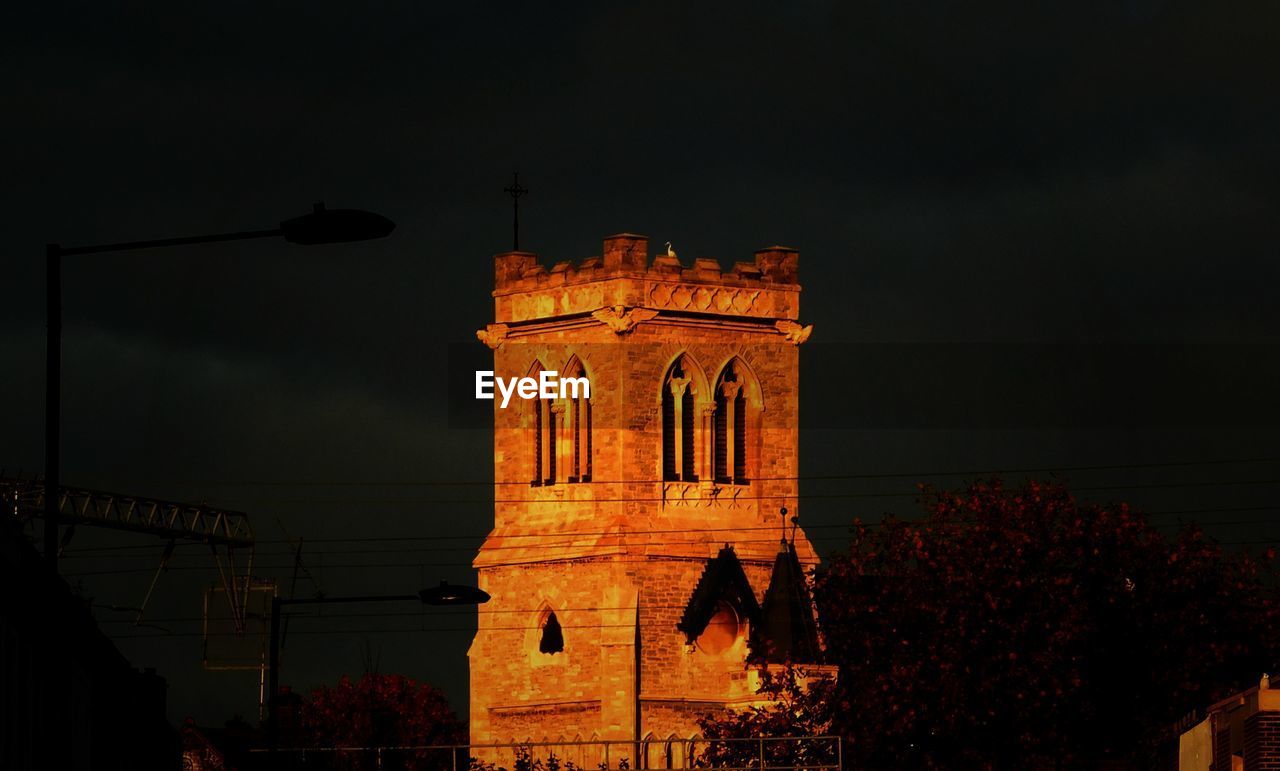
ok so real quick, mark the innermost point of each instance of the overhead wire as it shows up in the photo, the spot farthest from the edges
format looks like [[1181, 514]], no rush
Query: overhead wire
[[708, 533], [780, 496], [433, 564], [105, 552], [809, 477]]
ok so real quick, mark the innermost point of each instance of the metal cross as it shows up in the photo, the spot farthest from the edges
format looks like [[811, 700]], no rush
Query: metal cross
[[515, 191]]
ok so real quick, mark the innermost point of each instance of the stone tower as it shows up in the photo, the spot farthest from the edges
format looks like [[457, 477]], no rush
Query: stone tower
[[635, 563]]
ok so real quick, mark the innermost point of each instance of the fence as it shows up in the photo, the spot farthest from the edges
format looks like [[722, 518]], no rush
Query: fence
[[783, 753]]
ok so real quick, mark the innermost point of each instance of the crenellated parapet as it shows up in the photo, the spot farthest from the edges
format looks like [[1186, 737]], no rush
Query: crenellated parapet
[[623, 277]]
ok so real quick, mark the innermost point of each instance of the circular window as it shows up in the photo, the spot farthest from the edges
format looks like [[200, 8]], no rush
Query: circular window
[[721, 632]]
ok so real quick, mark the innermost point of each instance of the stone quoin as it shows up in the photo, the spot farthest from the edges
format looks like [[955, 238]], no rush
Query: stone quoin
[[639, 572]]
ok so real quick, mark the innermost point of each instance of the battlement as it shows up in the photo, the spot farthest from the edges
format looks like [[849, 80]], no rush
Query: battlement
[[623, 275]]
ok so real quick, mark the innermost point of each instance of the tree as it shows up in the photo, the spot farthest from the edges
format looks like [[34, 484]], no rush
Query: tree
[[1022, 628], [800, 706], [382, 711]]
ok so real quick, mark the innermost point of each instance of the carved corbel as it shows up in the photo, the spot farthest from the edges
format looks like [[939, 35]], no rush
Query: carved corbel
[[621, 320], [793, 332], [493, 335]]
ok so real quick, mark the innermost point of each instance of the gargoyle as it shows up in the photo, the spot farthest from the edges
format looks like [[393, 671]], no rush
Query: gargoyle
[[794, 333], [621, 320], [493, 335]]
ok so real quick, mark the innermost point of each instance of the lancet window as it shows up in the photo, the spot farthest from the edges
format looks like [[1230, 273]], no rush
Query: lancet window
[[680, 423], [578, 427], [542, 420], [551, 640], [731, 425]]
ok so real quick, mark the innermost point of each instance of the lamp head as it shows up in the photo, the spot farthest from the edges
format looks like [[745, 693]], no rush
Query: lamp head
[[453, 594], [335, 226]]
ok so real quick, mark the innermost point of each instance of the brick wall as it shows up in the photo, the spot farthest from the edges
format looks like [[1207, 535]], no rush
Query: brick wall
[[1222, 749], [1261, 742]]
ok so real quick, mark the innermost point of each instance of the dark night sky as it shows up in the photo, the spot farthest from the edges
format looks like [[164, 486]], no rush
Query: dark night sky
[[966, 183]]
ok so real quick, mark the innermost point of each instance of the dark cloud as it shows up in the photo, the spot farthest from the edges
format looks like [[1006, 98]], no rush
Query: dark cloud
[[952, 172]]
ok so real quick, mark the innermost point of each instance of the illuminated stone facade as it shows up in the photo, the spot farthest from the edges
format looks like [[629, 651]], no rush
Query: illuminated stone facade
[[610, 510]]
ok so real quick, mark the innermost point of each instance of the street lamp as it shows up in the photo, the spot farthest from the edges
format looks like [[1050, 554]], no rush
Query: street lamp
[[320, 226], [444, 594], [453, 594]]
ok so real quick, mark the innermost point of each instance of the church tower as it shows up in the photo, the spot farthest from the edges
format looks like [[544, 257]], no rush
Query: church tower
[[639, 571]]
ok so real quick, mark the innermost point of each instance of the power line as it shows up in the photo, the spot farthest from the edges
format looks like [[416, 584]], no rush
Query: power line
[[92, 552], [434, 564], [781, 496], [365, 631], [480, 610], [418, 630], [85, 553], [818, 477]]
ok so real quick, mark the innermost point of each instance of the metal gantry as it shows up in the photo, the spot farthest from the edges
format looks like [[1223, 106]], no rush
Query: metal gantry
[[165, 519], [224, 531]]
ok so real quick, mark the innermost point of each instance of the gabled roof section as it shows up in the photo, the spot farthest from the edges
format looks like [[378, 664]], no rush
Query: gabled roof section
[[722, 580], [787, 631]]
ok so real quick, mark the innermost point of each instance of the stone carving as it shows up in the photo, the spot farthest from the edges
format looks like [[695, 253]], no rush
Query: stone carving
[[703, 298], [699, 495], [793, 332], [621, 320], [493, 335]]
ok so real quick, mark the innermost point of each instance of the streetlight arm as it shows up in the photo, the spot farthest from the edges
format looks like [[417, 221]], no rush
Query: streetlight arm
[[321, 226], [364, 598], [443, 595], [159, 242]]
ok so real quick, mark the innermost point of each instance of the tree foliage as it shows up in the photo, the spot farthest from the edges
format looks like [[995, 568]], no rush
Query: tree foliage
[[382, 711], [800, 705], [1022, 628]]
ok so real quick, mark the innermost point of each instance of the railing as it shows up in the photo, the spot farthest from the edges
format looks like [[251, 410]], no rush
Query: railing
[[769, 753]]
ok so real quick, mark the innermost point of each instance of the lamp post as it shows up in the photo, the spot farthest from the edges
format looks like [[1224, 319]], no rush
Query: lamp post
[[321, 226], [444, 594]]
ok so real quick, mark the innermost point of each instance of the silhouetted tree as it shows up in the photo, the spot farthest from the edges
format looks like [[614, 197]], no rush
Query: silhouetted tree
[[381, 711], [800, 707], [1019, 628]]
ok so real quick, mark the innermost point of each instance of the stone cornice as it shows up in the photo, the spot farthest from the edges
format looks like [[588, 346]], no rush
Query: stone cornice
[[575, 705]]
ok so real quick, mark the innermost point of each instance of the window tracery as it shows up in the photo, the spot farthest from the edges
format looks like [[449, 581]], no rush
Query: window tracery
[[680, 422], [578, 417], [731, 426]]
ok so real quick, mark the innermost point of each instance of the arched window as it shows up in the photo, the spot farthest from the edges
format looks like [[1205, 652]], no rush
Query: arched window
[[680, 422], [551, 640], [651, 749], [731, 426], [694, 751], [578, 414]]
